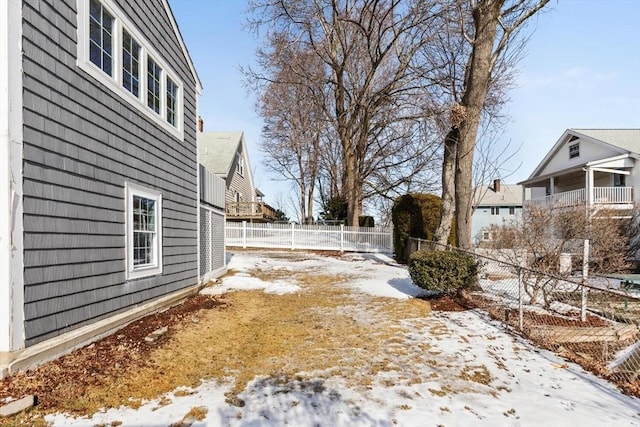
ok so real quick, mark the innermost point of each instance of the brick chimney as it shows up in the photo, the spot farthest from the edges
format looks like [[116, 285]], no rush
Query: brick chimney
[[496, 185]]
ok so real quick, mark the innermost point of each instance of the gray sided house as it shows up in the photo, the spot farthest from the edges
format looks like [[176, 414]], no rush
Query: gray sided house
[[225, 155], [99, 173], [497, 204]]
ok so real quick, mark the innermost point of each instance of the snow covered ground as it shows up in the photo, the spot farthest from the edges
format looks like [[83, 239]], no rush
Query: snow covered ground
[[505, 381]]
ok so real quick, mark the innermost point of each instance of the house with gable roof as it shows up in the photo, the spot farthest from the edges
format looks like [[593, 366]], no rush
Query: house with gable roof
[[599, 168], [225, 155], [494, 205], [98, 171]]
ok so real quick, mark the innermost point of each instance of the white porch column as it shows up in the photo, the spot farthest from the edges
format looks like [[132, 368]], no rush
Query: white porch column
[[11, 238], [588, 187], [552, 186]]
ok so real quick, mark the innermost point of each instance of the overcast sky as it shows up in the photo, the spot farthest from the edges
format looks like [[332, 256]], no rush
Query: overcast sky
[[582, 70]]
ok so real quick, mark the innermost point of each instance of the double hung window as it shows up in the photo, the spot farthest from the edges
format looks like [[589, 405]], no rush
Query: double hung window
[[101, 37], [130, 64], [144, 231], [154, 73]]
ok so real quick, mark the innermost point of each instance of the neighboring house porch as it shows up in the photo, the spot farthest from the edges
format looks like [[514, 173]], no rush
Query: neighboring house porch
[[597, 168]]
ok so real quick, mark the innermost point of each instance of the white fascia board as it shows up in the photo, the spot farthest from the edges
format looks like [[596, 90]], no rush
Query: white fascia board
[[623, 160], [11, 227]]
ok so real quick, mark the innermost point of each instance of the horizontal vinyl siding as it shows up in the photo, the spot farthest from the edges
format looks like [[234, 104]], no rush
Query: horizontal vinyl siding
[[81, 144]]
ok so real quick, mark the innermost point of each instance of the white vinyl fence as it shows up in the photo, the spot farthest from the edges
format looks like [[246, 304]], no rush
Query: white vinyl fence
[[321, 237]]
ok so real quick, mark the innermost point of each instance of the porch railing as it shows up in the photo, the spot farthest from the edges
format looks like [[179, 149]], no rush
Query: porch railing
[[601, 195], [613, 195]]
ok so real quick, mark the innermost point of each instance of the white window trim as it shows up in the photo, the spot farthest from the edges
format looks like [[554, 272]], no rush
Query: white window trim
[[133, 272], [240, 164], [115, 83]]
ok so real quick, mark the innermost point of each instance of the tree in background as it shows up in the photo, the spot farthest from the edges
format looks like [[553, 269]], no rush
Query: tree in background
[[334, 209], [375, 96], [280, 216], [293, 119]]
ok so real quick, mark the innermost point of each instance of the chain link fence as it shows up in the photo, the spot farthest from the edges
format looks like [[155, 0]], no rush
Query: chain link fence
[[593, 321]]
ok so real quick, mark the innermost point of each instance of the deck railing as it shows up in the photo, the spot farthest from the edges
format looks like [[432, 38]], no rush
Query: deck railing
[[250, 210]]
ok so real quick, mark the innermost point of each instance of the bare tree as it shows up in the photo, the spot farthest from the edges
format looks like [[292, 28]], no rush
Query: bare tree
[[376, 98], [294, 122], [479, 48]]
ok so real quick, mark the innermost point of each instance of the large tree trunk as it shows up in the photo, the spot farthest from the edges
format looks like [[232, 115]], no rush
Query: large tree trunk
[[352, 191], [486, 19], [448, 187], [310, 201]]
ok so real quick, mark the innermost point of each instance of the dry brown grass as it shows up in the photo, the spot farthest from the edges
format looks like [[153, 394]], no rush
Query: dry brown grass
[[256, 334]]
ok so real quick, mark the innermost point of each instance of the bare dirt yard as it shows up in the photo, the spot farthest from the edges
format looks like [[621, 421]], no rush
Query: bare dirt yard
[[292, 338]]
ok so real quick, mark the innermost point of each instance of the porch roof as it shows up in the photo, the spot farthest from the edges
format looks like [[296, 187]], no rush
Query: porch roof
[[624, 160]]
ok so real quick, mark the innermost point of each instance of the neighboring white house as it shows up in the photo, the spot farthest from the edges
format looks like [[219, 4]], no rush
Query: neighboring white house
[[597, 167], [494, 205]]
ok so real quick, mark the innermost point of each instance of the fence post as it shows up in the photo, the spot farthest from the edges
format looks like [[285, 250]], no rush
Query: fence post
[[520, 302], [585, 277], [244, 234], [293, 230], [341, 237]]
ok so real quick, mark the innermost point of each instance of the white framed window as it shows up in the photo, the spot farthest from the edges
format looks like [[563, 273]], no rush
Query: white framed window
[[512, 210], [143, 221], [495, 210], [172, 102], [115, 53], [574, 150], [154, 77], [486, 235], [240, 164], [130, 64], [101, 37]]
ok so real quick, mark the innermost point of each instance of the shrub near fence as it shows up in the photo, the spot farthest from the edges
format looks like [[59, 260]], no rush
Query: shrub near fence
[[593, 322]]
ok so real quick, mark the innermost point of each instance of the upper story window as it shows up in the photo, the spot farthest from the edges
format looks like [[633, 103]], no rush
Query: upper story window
[[114, 52], [240, 164], [495, 210], [172, 102], [101, 37], [130, 64], [512, 210], [574, 150], [154, 73]]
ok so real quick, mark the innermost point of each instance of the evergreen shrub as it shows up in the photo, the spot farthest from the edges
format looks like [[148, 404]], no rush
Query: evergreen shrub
[[366, 221], [446, 272]]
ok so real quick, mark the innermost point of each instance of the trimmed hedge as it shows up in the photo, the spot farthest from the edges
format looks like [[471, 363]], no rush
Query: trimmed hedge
[[415, 215], [443, 271]]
